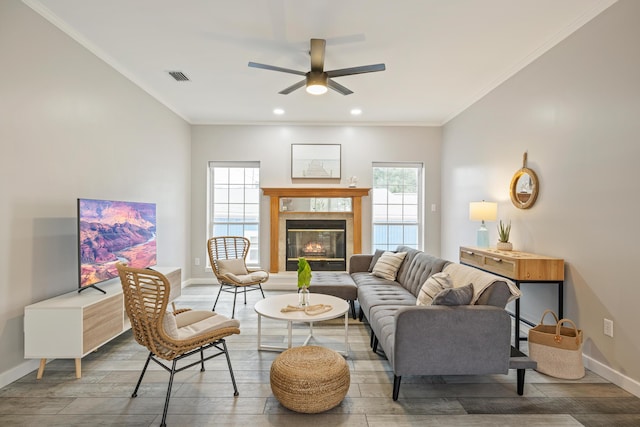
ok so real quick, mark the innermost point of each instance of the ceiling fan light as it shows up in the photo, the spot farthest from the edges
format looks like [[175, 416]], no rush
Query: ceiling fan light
[[316, 83], [316, 89]]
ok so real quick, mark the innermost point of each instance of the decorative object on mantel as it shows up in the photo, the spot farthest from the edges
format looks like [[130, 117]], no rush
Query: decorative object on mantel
[[503, 237], [524, 186], [304, 280], [483, 211], [353, 181]]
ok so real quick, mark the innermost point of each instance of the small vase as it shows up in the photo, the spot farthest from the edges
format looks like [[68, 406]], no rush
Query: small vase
[[303, 296], [504, 246]]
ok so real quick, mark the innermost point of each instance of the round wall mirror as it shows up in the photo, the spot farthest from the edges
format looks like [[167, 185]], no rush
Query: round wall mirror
[[524, 188]]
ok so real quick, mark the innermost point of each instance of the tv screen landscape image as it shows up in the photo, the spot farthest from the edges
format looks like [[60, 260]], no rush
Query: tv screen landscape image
[[110, 231]]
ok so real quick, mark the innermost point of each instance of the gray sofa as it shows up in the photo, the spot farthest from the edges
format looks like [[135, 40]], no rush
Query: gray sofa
[[437, 339]]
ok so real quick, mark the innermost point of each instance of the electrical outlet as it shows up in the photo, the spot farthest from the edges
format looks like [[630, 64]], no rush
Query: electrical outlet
[[608, 327], [196, 261]]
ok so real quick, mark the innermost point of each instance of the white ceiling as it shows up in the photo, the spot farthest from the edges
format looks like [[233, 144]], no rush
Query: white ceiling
[[441, 55]]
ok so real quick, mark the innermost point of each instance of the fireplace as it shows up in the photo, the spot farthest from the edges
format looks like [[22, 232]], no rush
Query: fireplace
[[279, 216], [322, 242]]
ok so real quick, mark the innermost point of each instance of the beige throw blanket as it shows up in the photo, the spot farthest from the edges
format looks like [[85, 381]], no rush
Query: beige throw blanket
[[311, 310], [462, 275]]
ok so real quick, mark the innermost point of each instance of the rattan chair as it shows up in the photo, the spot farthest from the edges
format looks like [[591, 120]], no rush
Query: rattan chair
[[171, 336], [227, 255]]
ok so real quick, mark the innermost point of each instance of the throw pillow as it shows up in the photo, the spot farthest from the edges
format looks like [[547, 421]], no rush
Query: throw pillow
[[455, 296], [376, 256], [432, 287], [234, 266], [388, 265]]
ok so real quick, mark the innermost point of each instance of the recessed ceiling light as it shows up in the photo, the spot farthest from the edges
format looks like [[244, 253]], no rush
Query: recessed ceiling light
[[356, 112], [278, 111]]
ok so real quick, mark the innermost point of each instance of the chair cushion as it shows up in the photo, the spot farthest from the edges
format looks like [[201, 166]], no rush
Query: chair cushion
[[253, 277], [170, 325], [435, 284], [234, 266], [191, 323], [455, 296], [388, 264]]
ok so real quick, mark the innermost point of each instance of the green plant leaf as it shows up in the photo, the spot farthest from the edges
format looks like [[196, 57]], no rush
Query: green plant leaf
[[304, 273], [503, 231]]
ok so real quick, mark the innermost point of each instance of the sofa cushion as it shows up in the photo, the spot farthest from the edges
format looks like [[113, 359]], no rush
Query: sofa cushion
[[383, 325], [455, 296], [388, 264], [432, 287], [382, 295], [420, 267], [376, 256], [498, 295], [402, 272], [362, 279], [336, 283]]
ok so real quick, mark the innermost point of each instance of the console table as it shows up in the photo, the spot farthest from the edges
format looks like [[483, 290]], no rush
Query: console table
[[520, 267], [74, 324]]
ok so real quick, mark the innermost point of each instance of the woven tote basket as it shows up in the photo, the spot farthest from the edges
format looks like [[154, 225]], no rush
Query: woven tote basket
[[557, 348]]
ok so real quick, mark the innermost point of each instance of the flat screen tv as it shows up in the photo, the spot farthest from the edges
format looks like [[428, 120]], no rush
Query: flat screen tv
[[110, 231]]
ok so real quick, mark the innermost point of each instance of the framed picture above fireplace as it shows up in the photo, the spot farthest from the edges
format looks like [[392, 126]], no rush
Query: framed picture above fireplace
[[315, 161]]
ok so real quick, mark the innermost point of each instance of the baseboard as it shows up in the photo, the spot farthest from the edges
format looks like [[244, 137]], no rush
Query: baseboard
[[188, 282], [18, 372], [611, 375], [599, 368], [276, 282]]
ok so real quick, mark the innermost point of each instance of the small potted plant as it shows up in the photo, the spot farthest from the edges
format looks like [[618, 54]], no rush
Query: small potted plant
[[304, 281], [503, 237]]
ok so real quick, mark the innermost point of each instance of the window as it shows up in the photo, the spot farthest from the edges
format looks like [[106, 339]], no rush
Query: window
[[234, 203], [397, 213]]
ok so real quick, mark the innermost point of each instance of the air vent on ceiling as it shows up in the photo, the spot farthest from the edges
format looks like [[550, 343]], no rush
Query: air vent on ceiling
[[179, 76]]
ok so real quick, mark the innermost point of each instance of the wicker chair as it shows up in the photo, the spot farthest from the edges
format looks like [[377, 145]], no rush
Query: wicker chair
[[227, 255], [171, 336]]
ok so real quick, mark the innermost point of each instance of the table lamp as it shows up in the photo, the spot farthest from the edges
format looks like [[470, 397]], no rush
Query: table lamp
[[483, 211]]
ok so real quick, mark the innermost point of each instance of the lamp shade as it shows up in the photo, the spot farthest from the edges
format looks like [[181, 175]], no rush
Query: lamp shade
[[483, 211]]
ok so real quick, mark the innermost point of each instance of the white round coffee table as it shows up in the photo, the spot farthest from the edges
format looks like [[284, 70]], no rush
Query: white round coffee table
[[270, 307]]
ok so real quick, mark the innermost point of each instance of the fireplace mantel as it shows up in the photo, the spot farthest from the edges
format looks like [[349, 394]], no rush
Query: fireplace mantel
[[275, 194]]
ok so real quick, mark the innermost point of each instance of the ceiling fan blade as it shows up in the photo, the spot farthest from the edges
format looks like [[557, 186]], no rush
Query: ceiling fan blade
[[293, 87], [338, 87], [317, 54], [274, 68], [356, 70]]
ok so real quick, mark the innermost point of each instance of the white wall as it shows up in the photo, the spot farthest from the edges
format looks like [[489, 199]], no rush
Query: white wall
[[71, 126], [271, 146], [576, 111]]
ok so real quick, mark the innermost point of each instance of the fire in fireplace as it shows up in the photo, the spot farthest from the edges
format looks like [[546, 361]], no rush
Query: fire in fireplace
[[321, 242], [313, 249]]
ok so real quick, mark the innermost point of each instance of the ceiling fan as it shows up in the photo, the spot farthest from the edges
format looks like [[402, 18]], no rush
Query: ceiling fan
[[317, 80]]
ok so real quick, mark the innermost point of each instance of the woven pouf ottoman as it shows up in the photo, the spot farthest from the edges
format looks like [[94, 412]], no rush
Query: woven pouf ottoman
[[310, 379]]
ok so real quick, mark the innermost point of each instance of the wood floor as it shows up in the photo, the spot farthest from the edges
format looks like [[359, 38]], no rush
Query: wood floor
[[102, 396]]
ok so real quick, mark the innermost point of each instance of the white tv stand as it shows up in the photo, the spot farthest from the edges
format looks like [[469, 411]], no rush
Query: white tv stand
[[74, 324]]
